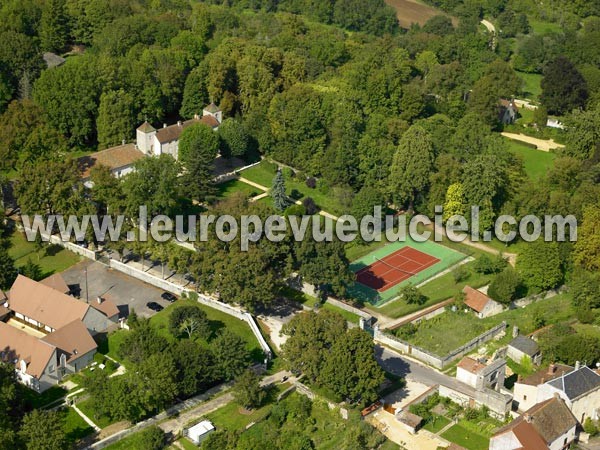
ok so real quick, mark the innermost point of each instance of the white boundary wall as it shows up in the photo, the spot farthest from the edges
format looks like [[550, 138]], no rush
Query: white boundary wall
[[168, 286]]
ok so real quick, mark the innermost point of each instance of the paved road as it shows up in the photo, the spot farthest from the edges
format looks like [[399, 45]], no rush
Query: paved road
[[409, 369]]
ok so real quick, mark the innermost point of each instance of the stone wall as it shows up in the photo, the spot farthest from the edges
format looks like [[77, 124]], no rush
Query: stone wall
[[309, 289], [523, 302], [439, 362]]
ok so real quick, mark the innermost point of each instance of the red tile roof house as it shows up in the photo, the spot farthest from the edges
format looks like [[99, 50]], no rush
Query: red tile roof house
[[546, 426], [48, 334], [481, 303]]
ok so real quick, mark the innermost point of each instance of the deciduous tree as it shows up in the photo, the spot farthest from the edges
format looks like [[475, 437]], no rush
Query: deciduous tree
[[189, 320], [230, 353], [198, 148], [563, 87], [350, 369], [411, 167], [247, 390], [43, 430]]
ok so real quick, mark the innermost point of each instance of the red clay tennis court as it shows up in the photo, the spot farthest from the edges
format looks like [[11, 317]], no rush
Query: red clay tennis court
[[394, 268]]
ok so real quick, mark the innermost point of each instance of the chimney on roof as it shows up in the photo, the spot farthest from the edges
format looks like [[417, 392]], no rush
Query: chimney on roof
[[543, 380], [515, 331], [551, 369], [196, 117], [527, 418], [179, 122], [164, 125], [99, 300], [577, 365], [123, 142]]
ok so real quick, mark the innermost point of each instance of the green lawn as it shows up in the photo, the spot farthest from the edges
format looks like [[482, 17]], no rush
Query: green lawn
[[531, 86], [87, 408], [232, 418], [186, 444], [436, 424], [110, 346], [436, 291], [439, 335], [264, 173], [134, 441], [350, 317], [51, 259], [228, 188], [218, 320], [357, 248], [75, 428], [543, 27], [536, 162], [466, 438]]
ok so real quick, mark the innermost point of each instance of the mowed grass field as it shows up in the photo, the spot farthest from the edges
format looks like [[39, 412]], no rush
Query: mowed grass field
[[536, 162], [51, 258], [438, 334], [532, 84], [410, 11]]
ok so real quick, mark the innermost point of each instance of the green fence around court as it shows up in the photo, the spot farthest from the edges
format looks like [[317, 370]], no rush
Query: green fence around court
[[447, 258]]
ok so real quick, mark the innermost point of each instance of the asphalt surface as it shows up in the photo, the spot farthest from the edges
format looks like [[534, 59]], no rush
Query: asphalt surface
[[127, 292]]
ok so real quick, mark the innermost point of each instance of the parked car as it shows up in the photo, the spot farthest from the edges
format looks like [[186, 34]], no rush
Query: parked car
[[168, 297], [154, 306]]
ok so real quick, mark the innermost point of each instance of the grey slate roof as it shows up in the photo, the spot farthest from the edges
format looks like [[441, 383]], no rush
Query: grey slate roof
[[577, 383], [525, 344], [212, 108]]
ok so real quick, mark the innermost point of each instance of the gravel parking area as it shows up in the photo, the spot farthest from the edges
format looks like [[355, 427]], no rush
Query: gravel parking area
[[125, 291]]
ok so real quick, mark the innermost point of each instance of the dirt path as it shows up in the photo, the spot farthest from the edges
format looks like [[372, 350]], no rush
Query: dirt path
[[265, 189], [489, 25], [253, 184], [541, 144]]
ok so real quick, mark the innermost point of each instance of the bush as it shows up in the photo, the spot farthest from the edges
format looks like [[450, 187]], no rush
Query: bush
[[288, 173], [506, 286], [590, 427], [294, 210], [311, 182], [487, 265], [412, 295], [296, 194], [460, 273], [323, 186], [310, 206], [471, 414], [406, 331]]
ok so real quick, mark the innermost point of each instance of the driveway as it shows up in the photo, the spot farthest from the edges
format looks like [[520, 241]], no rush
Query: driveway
[[276, 315], [128, 293], [395, 432]]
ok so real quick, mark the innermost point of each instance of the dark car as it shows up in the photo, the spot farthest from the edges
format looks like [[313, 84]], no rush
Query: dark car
[[154, 306], [168, 297]]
